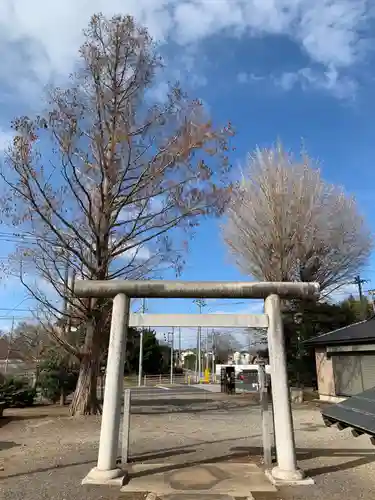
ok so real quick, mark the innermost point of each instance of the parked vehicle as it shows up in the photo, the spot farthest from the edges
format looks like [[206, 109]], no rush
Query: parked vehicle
[[247, 380]]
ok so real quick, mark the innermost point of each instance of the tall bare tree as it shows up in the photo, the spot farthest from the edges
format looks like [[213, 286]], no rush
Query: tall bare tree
[[225, 343], [32, 342], [285, 223], [256, 338], [100, 179]]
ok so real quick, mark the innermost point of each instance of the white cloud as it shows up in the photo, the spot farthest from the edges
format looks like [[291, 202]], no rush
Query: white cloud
[[139, 252], [5, 139], [39, 39], [330, 30], [244, 77], [330, 81], [159, 92], [130, 212]]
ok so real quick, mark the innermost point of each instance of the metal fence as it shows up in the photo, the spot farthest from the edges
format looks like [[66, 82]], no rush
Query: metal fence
[[132, 381], [155, 380]]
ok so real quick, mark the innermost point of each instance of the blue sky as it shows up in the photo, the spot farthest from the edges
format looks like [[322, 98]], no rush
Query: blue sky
[[291, 69]]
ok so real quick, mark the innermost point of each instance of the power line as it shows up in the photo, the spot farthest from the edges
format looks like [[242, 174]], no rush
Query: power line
[[16, 318], [14, 309]]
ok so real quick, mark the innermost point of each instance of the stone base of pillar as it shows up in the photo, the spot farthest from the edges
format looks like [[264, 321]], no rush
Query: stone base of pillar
[[280, 477], [115, 477]]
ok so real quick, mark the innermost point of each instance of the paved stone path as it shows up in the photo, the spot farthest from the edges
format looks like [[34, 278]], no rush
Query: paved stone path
[[216, 480]]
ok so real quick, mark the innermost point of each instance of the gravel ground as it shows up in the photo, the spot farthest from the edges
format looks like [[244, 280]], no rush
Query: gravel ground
[[342, 466], [45, 454]]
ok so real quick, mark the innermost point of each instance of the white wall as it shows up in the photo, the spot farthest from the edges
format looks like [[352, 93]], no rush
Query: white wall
[[238, 368]]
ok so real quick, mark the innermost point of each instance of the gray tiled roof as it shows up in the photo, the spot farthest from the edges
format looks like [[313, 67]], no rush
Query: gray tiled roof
[[357, 333]]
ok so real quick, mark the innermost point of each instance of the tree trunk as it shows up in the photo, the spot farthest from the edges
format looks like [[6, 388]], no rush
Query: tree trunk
[[62, 397], [36, 377], [85, 400]]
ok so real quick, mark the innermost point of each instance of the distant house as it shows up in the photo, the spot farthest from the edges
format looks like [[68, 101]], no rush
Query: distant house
[[345, 360], [185, 354], [187, 359], [248, 358], [11, 361]]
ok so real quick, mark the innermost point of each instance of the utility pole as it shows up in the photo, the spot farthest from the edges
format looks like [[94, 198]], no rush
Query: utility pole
[[213, 355], [172, 356], [200, 303], [206, 353], [196, 364], [179, 346], [140, 365], [358, 281]]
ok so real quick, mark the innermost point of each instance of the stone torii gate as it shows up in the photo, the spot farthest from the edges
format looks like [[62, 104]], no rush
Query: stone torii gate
[[123, 291]]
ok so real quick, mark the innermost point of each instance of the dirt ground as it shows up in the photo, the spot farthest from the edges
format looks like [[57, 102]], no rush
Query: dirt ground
[[44, 453]]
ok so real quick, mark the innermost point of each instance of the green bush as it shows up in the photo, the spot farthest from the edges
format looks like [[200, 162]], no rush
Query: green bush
[[16, 393], [57, 378]]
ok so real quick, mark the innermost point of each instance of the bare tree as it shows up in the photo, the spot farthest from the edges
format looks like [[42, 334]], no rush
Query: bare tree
[[285, 223], [225, 343], [31, 342], [101, 178], [256, 338]]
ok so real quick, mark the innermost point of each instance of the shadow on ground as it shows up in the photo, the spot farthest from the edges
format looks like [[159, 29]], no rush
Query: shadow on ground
[[35, 412], [19, 418], [190, 405], [168, 467], [138, 458], [356, 457], [144, 457], [176, 450], [46, 469], [311, 427], [7, 445]]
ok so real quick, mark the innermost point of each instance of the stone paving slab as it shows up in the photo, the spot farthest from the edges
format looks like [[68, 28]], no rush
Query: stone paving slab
[[256, 495], [192, 496], [224, 478]]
